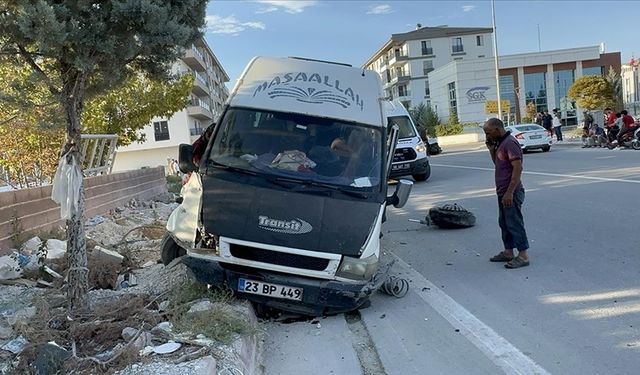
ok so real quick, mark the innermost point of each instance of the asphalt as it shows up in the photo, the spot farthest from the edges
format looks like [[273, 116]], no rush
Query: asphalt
[[575, 310]]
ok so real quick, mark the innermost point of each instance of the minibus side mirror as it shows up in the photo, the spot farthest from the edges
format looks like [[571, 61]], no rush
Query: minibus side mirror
[[185, 158], [401, 195]]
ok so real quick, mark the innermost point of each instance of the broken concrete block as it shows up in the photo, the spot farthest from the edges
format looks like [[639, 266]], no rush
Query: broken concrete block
[[164, 306], [56, 249], [107, 255], [16, 346], [10, 268], [164, 327], [201, 306], [5, 331], [22, 316]]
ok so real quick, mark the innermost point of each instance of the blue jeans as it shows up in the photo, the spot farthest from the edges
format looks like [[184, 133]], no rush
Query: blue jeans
[[512, 223]]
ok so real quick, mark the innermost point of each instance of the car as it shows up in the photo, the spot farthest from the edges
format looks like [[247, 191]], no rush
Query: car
[[410, 158], [531, 136]]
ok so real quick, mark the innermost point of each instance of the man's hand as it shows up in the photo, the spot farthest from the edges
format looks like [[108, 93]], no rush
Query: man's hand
[[507, 199]]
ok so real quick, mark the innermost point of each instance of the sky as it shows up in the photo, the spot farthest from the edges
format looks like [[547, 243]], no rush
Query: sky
[[351, 31]]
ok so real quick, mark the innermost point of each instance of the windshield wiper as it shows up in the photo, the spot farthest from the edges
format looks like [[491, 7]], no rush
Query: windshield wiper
[[217, 165], [346, 191]]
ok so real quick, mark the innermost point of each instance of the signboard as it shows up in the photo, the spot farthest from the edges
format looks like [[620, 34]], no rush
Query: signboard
[[491, 106], [476, 94]]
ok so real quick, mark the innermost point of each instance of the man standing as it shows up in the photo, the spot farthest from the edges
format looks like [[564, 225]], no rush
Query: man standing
[[557, 124], [547, 122], [507, 157]]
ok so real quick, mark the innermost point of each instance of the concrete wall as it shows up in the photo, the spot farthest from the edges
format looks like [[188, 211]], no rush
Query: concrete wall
[[155, 157], [33, 211]]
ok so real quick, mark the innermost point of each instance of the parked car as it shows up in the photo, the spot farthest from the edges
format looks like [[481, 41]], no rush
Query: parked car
[[410, 158], [531, 136], [287, 202]]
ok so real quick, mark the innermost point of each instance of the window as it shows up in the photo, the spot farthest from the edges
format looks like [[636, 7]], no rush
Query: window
[[593, 71], [507, 92], [161, 130], [456, 46], [406, 129], [388, 76], [427, 66], [403, 90], [481, 56], [427, 92], [452, 96], [426, 47], [480, 40], [535, 86], [563, 80]]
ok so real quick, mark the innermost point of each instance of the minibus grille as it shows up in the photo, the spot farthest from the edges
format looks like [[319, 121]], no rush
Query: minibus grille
[[278, 258], [404, 154]]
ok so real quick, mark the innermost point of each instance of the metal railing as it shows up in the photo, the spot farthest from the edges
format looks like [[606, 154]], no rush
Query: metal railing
[[101, 148], [198, 102], [197, 51], [457, 48], [200, 78]]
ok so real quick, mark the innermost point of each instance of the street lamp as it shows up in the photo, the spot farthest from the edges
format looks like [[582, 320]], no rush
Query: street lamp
[[495, 54]]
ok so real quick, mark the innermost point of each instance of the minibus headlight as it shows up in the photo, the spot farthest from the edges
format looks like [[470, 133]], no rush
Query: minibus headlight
[[358, 268], [421, 147]]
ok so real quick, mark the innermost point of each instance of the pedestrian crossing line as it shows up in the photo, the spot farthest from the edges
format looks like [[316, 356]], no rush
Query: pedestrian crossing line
[[572, 176], [500, 351]]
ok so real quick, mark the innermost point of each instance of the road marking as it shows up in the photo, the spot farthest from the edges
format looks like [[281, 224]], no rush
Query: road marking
[[500, 351], [605, 179]]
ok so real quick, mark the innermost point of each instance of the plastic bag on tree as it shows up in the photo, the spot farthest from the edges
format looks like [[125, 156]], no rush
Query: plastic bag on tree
[[66, 186]]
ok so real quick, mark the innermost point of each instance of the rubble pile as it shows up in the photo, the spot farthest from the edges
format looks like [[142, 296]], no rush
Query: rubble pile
[[143, 317]]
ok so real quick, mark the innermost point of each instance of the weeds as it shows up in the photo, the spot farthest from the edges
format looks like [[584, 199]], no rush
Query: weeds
[[174, 184], [220, 323]]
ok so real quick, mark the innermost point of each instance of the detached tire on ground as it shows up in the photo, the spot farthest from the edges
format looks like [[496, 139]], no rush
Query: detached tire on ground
[[451, 216], [169, 249]]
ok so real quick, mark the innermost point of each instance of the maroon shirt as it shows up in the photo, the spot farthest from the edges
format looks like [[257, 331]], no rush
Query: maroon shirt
[[508, 151]]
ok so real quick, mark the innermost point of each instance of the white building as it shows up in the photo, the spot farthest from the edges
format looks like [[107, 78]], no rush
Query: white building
[[406, 59], [163, 135], [541, 78], [631, 86]]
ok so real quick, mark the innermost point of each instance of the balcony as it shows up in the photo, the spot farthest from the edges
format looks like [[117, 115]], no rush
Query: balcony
[[457, 48], [397, 60], [194, 59], [199, 109], [200, 86], [427, 51], [404, 94]]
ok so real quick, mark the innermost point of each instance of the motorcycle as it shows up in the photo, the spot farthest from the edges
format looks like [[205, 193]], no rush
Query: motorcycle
[[629, 140]]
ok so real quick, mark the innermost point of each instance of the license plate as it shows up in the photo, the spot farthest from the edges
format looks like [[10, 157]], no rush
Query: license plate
[[535, 137], [269, 290], [399, 166]]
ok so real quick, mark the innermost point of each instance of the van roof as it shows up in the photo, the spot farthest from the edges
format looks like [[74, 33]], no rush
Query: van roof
[[310, 87], [394, 108]]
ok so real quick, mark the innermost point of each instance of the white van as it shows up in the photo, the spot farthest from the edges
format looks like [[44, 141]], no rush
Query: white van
[[410, 158], [287, 202]]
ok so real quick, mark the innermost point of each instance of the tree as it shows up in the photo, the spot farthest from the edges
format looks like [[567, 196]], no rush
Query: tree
[[131, 106], [615, 81], [91, 47], [592, 92], [530, 112], [425, 118], [453, 117]]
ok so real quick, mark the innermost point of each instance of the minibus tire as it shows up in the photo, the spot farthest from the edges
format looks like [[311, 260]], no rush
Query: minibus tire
[[422, 176], [169, 249]]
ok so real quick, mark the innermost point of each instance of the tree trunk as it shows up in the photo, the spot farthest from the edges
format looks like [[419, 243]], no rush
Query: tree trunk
[[78, 282]]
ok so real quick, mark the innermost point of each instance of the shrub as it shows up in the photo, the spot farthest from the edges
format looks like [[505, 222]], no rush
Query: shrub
[[443, 130]]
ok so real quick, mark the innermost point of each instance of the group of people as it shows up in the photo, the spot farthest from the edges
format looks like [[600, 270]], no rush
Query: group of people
[[616, 126], [551, 122]]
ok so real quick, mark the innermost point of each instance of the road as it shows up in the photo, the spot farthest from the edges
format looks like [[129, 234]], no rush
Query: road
[[575, 310]]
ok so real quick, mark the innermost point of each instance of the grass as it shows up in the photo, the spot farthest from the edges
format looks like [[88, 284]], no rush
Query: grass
[[221, 323]]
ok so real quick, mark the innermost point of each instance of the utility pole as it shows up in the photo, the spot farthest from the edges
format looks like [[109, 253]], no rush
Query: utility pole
[[539, 45], [495, 54]]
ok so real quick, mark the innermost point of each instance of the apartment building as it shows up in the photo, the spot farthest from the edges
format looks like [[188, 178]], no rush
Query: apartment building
[[631, 86], [406, 59], [206, 100]]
